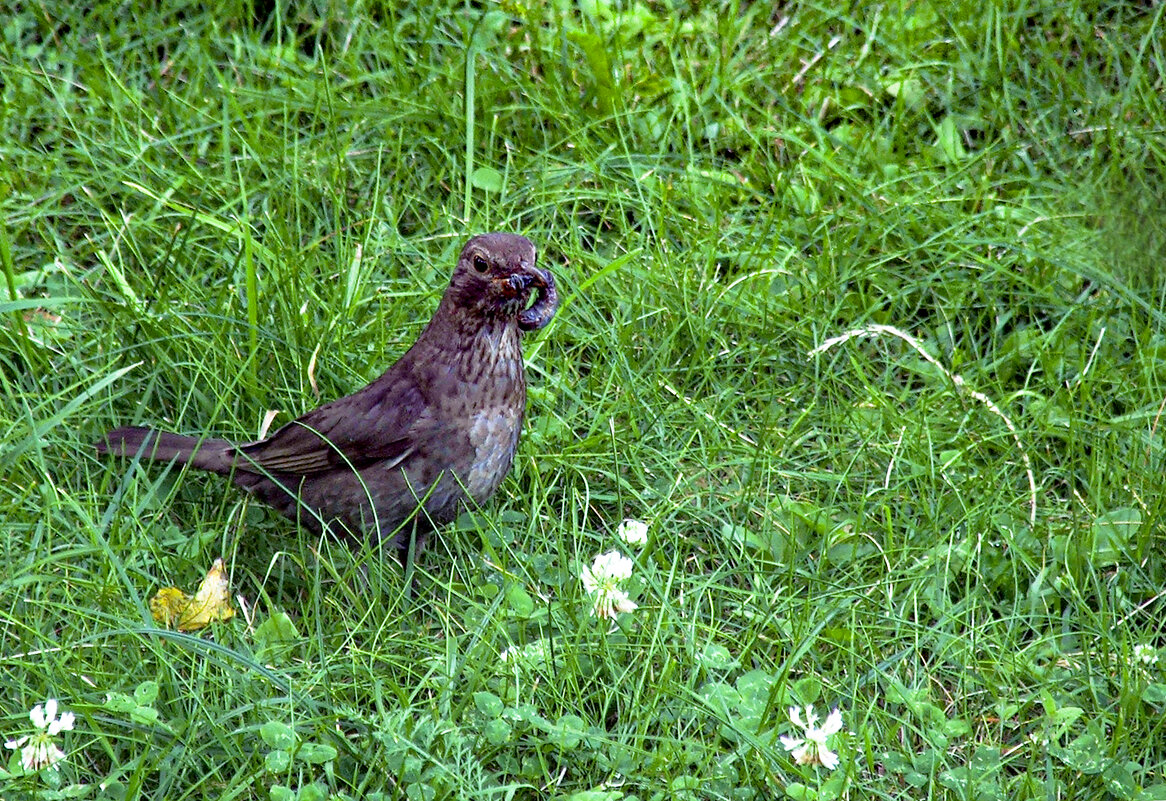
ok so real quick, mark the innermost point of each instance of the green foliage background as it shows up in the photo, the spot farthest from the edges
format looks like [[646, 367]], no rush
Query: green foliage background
[[863, 312]]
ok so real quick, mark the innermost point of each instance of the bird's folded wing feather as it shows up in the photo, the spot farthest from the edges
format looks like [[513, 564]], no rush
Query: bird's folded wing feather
[[371, 426]]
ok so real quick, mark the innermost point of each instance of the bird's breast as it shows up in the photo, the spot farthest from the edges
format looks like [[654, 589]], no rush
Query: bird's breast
[[493, 438], [494, 356], [487, 407]]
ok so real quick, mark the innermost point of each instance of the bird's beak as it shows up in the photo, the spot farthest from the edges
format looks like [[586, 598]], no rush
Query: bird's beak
[[520, 281], [529, 277]]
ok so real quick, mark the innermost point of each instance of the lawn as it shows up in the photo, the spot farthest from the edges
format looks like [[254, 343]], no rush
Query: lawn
[[862, 315]]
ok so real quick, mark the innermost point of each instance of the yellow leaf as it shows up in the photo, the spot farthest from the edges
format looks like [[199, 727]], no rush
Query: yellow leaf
[[167, 605], [175, 608]]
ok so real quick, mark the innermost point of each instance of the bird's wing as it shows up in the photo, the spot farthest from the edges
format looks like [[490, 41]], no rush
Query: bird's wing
[[373, 425]]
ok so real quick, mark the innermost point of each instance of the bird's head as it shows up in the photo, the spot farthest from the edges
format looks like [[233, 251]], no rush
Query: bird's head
[[496, 276]]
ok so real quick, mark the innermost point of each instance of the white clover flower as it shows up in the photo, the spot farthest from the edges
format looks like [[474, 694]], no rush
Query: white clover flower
[[1147, 654], [633, 532], [601, 581], [607, 569], [811, 748], [38, 750], [612, 602]]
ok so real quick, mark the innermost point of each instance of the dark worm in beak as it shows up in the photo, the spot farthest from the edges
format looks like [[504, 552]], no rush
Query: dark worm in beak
[[546, 301]]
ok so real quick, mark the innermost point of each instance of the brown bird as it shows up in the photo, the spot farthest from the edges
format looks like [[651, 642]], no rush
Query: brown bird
[[401, 456]]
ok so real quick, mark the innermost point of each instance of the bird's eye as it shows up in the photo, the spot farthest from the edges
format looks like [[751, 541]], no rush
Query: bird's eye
[[480, 264]]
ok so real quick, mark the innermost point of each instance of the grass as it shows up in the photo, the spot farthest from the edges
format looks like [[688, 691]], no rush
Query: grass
[[862, 314]]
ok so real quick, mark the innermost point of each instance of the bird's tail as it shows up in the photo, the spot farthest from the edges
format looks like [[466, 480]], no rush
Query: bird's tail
[[215, 455]]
